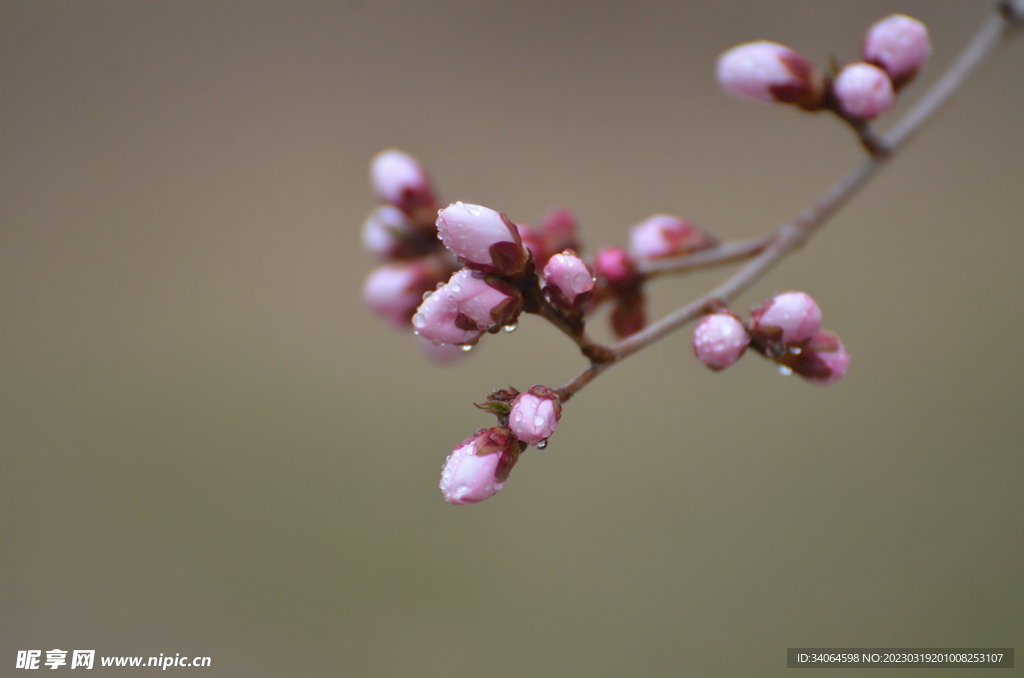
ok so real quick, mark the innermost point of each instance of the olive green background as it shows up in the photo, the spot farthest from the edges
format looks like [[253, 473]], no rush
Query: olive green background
[[209, 447]]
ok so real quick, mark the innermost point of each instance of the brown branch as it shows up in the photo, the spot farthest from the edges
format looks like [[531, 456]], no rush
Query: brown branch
[[1004, 24]]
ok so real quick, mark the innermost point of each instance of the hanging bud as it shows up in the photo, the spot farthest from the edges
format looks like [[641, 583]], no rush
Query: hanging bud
[[482, 239], [899, 45], [569, 281], [479, 467], [768, 71], [720, 340], [438, 319], [662, 235], [535, 415], [863, 91], [395, 290], [399, 179], [785, 320], [441, 354], [484, 304], [388, 233], [822, 361]]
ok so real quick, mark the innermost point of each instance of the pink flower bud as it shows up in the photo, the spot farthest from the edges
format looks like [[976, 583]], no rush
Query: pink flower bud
[[479, 301], [534, 241], [720, 340], [898, 44], [441, 354], [395, 290], [481, 238], [572, 278], [535, 414], [662, 235], [438, 319], [479, 467], [387, 231], [863, 91], [768, 71], [788, 318], [614, 265], [823, 361], [560, 229], [399, 179]]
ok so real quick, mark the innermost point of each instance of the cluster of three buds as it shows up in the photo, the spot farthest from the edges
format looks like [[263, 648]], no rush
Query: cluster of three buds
[[894, 50]]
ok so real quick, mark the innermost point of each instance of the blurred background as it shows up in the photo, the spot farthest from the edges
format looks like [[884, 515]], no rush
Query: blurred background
[[209, 447]]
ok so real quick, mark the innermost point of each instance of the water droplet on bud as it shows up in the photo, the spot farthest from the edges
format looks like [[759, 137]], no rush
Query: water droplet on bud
[[795, 350], [455, 289], [419, 320], [542, 444], [785, 371], [511, 327], [466, 347]]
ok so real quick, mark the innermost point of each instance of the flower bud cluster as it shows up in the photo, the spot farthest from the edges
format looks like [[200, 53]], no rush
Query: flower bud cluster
[[401, 231], [480, 465], [785, 329], [893, 51]]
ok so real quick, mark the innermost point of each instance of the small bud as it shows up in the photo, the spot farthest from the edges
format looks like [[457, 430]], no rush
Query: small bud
[[479, 467], [898, 44], [570, 277], [823, 361], [560, 229], [720, 340], [399, 179], [387, 232], [534, 241], [863, 91], [768, 71], [614, 265], [662, 235], [786, 319], [395, 290], [535, 415], [482, 239], [485, 305], [438, 319], [629, 315]]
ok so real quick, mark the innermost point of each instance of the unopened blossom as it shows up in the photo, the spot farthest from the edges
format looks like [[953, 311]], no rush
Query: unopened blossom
[[387, 232], [663, 235], [823, 360], [535, 242], [561, 230], [441, 354], [614, 265], [482, 303], [395, 290], [863, 91], [479, 466], [570, 276], [438, 319], [481, 238], [535, 414], [900, 45], [399, 179], [768, 71], [786, 319], [720, 340]]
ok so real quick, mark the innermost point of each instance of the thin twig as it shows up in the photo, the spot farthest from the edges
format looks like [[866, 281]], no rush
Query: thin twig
[[1005, 23]]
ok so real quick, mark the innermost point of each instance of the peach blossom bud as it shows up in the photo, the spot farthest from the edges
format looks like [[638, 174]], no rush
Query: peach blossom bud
[[534, 416], [614, 265], [788, 318], [768, 71], [479, 301], [572, 278], [438, 319], [560, 229], [824, 360], [479, 467], [720, 340], [399, 179], [534, 241], [898, 44], [863, 91], [662, 235], [387, 231], [481, 238], [395, 290]]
